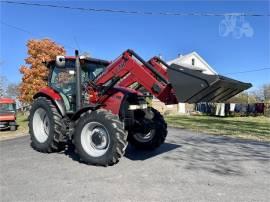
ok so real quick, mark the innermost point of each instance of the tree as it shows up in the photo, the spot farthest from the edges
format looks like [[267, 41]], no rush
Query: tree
[[266, 92], [243, 97], [8, 89], [35, 72], [3, 84], [12, 90], [263, 93]]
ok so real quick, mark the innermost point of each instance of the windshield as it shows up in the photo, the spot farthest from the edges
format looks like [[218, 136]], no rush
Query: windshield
[[67, 75], [64, 79], [11, 107], [91, 70]]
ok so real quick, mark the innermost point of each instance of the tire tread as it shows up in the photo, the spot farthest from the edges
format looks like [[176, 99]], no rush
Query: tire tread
[[119, 134], [55, 145]]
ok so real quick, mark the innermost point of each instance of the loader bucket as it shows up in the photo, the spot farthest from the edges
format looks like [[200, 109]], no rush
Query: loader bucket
[[193, 86]]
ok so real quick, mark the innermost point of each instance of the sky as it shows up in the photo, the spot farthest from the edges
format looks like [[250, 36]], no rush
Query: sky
[[232, 47]]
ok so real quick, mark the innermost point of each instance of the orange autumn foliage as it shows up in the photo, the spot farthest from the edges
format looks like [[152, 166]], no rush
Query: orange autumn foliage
[[34, 72]]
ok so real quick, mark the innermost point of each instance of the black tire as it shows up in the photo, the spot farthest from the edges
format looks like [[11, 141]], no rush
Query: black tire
[[56, 130], [13, 128], [115, 147], [159, 133]]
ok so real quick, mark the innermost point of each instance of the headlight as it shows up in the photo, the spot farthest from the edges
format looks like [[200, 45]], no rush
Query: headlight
[[134, 107]]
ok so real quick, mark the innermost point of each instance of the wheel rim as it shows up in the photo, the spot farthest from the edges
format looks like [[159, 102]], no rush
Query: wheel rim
[[144, 137], [95, 139], [41, 125]]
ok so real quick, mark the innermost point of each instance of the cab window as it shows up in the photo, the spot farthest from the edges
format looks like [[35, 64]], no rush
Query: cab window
[[91, 70], [63, 79]]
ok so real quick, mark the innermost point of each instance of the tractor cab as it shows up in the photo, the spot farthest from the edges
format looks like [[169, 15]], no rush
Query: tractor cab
[[62, 77]]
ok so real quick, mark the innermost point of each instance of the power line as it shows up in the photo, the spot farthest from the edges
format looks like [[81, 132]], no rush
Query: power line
[[32, 34], [29, 32], [248, 71], [138, 12], [18, 28]]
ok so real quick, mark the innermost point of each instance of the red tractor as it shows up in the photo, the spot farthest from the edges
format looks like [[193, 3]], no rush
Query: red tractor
[[101, 106], [8, 114]]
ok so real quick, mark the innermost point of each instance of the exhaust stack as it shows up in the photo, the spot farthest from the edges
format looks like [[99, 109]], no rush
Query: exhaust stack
[[78, 81]]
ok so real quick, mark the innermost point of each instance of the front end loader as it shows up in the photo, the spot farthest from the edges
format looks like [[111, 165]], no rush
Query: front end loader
[[102, 106]]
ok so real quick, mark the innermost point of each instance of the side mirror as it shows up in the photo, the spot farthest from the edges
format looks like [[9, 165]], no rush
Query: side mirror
[[60, 61]]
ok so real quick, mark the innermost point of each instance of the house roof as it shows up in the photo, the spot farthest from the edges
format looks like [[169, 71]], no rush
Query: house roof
[[181, 58]]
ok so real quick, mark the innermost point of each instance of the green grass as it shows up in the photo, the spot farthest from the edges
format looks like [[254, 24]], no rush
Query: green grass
[[22, 122], [245, 127]]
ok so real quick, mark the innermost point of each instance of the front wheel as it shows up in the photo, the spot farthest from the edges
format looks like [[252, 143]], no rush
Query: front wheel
[[45, 126], [148, 132], [100, 138]]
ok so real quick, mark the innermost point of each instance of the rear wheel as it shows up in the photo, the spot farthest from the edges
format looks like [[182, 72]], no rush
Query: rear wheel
[[149, 132], [45, 126], [100, 138]]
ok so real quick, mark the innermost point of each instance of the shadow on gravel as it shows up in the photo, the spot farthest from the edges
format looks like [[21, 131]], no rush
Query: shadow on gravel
[[131, 153], [70, 152], [141, 155], [218, 154], [4, 129]]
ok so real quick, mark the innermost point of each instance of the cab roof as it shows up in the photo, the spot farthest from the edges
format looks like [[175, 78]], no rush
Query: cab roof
[[84, 58]]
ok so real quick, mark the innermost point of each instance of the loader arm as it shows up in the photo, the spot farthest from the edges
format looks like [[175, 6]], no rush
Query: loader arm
[[130, 68], [160, 66], [170, 84], [156, 63]]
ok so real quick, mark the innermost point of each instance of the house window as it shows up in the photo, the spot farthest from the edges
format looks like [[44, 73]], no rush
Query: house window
[[193, 62]]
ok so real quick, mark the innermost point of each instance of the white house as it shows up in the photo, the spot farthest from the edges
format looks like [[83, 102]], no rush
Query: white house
[[193, 61]]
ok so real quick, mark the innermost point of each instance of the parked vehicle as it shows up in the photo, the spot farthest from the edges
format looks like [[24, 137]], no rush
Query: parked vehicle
[[8, 114], [100, 106]]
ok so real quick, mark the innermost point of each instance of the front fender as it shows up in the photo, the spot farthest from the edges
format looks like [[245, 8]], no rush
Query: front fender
[[117, 99], [54, 96]]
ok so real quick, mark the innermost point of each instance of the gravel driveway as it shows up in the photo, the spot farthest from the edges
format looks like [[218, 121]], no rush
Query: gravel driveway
[[188, 167]]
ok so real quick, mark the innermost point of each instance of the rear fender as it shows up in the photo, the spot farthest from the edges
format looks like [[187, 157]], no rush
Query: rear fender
[[54, 96]]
